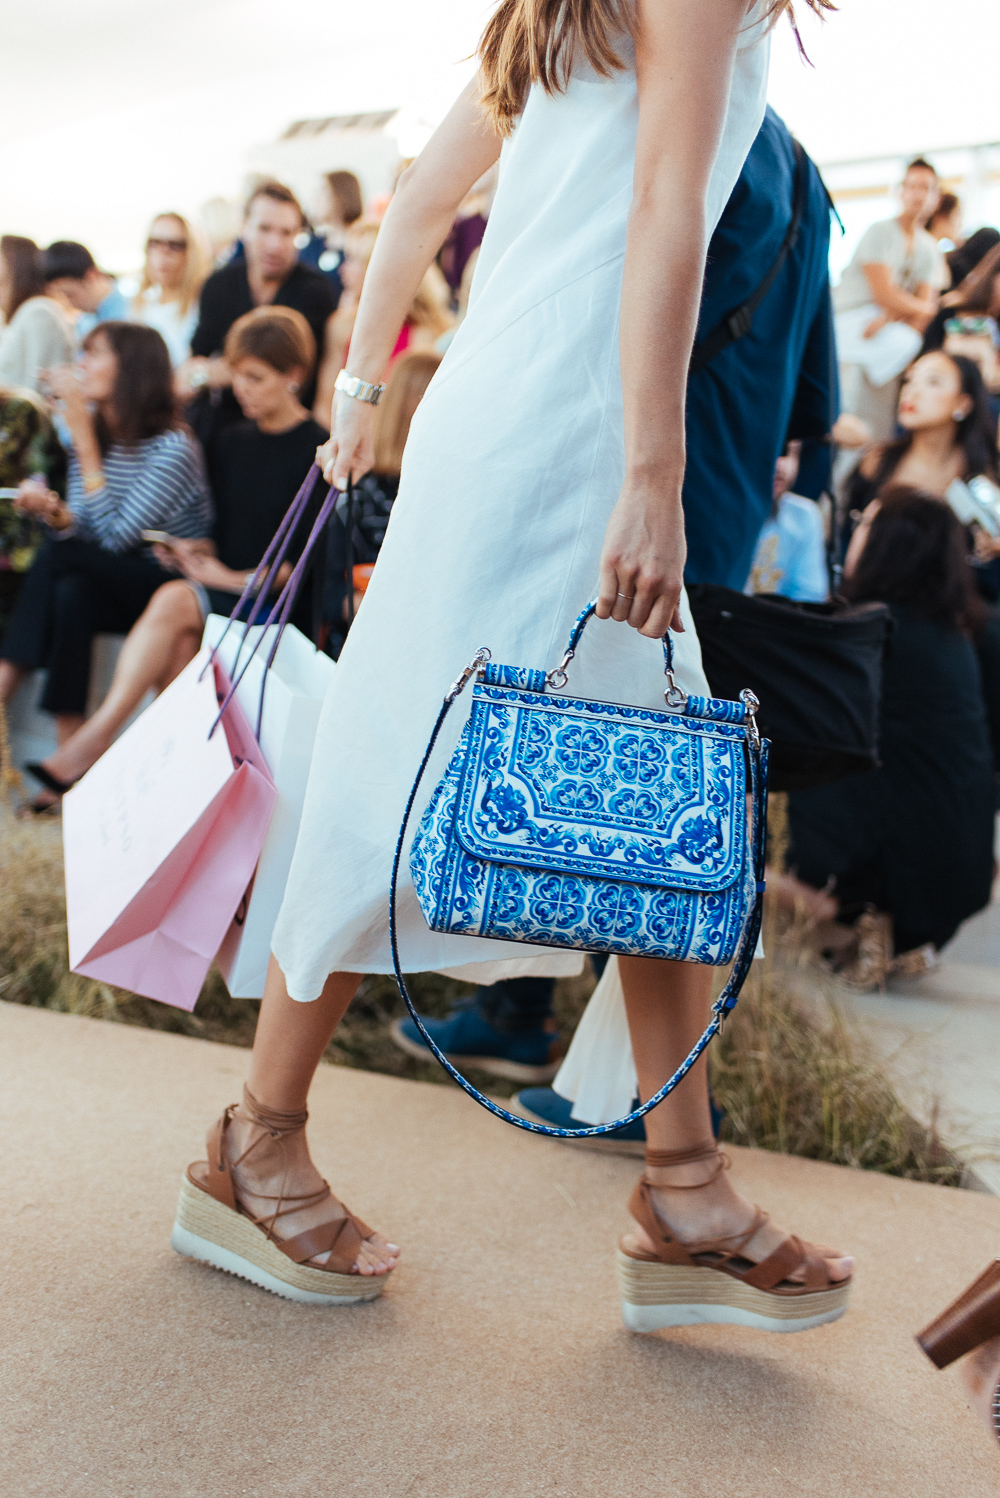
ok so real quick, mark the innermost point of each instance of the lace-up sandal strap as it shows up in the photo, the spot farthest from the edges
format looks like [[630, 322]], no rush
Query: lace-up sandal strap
[[667, 1248], [218, 1181], [664, 1159], [341, 1239], [660, 1159], [789, 1256], [274, 1120]]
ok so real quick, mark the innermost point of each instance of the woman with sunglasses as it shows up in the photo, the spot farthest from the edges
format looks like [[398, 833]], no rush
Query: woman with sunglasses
[[172, 278]]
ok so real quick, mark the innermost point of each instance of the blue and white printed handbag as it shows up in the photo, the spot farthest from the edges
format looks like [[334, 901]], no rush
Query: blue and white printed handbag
[[595, 826]]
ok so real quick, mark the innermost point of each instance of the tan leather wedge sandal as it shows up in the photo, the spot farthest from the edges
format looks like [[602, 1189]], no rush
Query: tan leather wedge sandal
[[686, 1284], [213, 1225]]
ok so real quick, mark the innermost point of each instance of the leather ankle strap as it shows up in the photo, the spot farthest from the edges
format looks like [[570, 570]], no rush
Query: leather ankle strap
[[273, 1119], [660, 1158]]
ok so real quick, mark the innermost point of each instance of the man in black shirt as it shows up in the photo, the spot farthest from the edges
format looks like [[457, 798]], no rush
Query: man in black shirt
[[271, 274]]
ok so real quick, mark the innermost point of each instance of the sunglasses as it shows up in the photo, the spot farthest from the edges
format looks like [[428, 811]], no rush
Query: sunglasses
[[179, 246]]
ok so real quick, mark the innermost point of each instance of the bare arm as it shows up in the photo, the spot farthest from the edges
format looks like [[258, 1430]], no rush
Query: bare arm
[[684, 65], [916, 309], [415, 226]]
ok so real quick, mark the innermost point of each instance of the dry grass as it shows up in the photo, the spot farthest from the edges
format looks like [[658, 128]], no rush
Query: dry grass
[[788, 1077]]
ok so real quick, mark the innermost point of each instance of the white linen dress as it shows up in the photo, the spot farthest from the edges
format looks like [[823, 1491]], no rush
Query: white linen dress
[[514, 462]]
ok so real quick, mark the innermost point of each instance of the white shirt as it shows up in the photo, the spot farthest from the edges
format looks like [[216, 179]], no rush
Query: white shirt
[[175, 327]]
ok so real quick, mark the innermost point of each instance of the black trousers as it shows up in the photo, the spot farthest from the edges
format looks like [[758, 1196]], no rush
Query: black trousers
[[74, 591]]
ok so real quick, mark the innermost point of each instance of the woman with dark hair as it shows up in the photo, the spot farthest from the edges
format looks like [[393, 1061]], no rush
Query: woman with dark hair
[[909, 846], [948, 433], [38, 334], [255, 467], [544, 463], [976, 290], [132, 468]]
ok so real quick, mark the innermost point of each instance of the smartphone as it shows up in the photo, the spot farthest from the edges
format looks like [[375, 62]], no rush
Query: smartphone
[[158, 538]]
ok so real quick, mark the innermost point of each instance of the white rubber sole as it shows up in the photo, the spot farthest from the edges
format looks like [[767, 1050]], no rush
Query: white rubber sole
[[656, 1296], [510, 1071], [214, 1234]]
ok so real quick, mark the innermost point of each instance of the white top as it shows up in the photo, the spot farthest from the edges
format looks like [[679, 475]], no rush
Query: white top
[[514, 462], [175, 327], [914, 262], [39, 336]]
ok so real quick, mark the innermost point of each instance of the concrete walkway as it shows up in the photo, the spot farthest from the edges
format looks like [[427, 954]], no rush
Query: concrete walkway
[[496, 1363], [939, 1037]]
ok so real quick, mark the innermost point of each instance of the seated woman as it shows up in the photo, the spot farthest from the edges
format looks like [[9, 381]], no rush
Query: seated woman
[[37, 330], [172, 277], [948, 432], [256, 467], [366, 515], [29, 449], [909, 847], [133, 468]]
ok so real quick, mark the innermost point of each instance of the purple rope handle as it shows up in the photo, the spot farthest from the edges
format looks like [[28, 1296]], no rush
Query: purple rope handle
[[267, 569], [284, 605]]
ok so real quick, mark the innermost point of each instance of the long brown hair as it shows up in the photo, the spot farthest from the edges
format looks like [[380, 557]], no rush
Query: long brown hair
[[535, 41], [26, 278], [142, 399]]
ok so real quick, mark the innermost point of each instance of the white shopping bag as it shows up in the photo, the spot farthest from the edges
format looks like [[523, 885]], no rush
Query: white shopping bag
[[161, 838], [296, 686]]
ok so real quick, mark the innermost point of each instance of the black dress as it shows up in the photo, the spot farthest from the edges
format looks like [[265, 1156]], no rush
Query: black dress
[[914, 838], [254, 477]]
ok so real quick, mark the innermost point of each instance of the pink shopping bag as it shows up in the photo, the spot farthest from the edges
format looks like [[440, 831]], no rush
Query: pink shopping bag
[[161, 841]]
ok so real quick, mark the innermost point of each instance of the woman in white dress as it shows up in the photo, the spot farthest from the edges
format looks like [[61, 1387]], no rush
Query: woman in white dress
[[547, 453]]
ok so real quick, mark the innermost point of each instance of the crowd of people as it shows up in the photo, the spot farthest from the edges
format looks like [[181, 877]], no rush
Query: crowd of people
[[153, 434]]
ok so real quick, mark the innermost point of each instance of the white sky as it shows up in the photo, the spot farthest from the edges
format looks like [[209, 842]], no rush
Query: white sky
[[111, 110]]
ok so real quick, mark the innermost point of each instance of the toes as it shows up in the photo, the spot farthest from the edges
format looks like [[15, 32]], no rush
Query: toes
[[376, 1256]]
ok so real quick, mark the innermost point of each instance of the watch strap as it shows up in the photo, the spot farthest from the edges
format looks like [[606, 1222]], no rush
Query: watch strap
[[359, 390]]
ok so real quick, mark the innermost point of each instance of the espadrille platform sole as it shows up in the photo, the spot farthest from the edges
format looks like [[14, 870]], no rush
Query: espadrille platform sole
[[656, 1295], [208, 1230]]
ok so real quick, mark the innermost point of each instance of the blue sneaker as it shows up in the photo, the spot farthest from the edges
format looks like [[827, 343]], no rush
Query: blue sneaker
[[468, 1040], [543, 1105]]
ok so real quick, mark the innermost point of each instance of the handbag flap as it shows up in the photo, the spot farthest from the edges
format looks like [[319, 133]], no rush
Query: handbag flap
[[599, 789]]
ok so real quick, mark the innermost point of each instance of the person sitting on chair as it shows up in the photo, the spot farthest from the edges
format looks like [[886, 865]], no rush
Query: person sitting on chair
[[256, 466]]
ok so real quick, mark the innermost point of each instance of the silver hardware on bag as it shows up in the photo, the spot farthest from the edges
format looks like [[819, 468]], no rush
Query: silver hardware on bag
[[557, 678], [479, 660], [751, 703], [673, 696], [359, 390]]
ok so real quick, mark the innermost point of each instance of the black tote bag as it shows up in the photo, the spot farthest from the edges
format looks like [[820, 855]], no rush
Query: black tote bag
[[816, 667]]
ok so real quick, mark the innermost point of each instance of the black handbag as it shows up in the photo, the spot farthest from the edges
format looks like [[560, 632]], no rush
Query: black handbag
[[816, 668]]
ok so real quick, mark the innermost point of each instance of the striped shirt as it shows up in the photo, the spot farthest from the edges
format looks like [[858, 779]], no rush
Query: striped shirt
[[158, 484]]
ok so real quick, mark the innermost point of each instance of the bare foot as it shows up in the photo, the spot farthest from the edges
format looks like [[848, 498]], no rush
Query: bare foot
[[980, 1373], [717, 1211], [285, 1167]]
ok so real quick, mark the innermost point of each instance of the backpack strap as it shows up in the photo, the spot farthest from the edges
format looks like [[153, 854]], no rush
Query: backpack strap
[[739, 322]]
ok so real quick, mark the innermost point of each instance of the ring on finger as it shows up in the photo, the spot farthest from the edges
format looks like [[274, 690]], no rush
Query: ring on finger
[[629, 596]]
